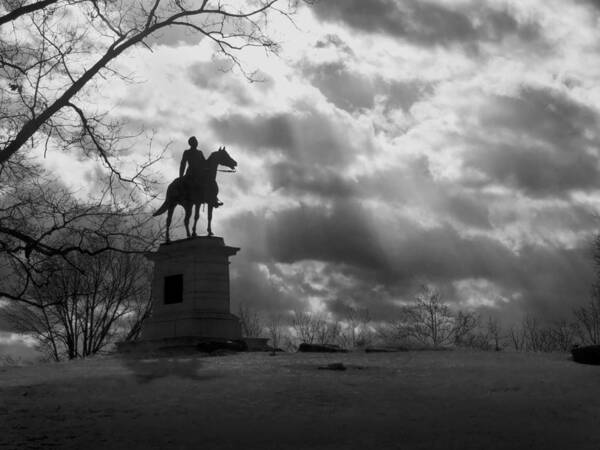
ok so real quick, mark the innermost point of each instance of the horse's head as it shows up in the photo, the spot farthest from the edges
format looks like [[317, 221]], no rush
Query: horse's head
[[224, 159]]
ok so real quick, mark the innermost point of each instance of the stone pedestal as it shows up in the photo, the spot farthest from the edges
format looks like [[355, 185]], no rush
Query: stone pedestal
[[190, 292]]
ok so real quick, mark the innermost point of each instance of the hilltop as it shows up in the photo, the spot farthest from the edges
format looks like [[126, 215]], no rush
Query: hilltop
[[408, 400]]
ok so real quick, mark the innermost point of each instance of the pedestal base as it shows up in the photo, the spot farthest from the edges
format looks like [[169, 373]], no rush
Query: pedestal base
[[180, 345], [190, 292], [199, 325]]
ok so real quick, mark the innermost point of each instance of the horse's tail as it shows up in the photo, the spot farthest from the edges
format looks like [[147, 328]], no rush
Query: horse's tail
[[162, 209], [173, 193]]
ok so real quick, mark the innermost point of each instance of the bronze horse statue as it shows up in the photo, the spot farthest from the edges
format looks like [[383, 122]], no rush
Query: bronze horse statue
[[195, 192]]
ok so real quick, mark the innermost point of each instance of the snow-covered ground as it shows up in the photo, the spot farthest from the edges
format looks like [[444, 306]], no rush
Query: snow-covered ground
[[413, 400]]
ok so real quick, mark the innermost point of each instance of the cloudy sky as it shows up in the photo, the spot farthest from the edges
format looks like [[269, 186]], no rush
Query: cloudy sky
[[391, 143]]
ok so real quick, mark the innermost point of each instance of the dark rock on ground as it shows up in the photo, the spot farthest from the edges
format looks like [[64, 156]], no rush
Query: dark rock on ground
[[178, 346], [214, 346], [320, 348], [589, 354], [333, 366], [385, 349], [256, 344], [222, 352], [260, 345]]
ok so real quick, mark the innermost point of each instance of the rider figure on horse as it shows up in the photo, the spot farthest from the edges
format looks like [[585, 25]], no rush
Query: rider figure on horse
[[196, 174]]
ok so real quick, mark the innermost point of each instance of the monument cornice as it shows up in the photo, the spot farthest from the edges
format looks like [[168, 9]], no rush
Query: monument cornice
[[203, 245]]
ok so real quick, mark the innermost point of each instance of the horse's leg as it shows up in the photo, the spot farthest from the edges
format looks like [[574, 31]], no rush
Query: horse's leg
[[210, 208], [186, 219], [169, 217], [196, 215]]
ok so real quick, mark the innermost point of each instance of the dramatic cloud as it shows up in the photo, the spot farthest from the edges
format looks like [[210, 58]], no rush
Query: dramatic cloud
[[380, 267], [427, 23], [304, 134], [345, 89], [538, 141]]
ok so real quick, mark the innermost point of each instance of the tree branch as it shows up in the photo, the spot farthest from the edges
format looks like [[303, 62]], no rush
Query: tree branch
[[26, 9]]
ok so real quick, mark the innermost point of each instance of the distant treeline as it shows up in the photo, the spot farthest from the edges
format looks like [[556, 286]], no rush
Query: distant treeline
[[426, 322]]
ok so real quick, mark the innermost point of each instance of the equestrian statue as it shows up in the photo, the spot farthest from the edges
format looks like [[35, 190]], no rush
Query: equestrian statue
[[195, 186]]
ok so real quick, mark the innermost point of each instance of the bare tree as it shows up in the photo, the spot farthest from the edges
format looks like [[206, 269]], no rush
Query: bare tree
[[430, 320], [134, 319], [274, 329], [315, 328], [78, 312], [42, 221], [534, 335], [250, 320], [588, 318], [327, 331], [354, 330], [494, 330], [563, 335], [465, 322], [517, 337], [544, 337], [393, 332], [398, 331], [304, 326]]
